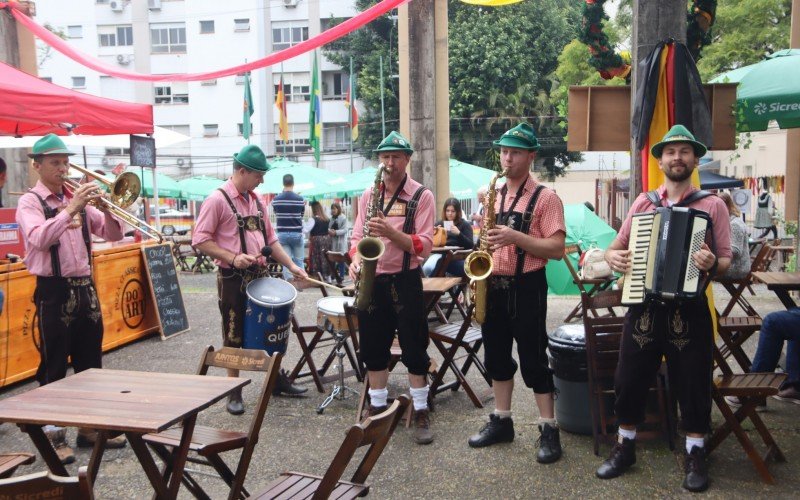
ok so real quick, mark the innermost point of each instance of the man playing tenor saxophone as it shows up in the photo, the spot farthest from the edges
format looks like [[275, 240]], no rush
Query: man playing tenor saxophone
[[399, 211], [528, 230]]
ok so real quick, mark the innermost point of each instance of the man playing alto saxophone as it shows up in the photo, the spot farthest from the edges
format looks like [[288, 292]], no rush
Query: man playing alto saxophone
[[402, 217], [529, 230]]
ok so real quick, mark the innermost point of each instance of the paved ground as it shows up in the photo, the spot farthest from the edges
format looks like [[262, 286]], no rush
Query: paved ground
[[295, 437]]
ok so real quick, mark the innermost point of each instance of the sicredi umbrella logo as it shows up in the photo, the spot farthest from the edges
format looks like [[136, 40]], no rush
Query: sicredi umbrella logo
[[760, 108], [775, 107]]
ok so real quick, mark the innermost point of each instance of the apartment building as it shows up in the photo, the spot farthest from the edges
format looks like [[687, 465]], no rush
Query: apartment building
[[198, 36]]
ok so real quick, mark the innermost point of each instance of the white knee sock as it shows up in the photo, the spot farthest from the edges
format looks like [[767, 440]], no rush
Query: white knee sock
[[624, 433], [692, 442], [420, 397], [377, 397], [502, 413]]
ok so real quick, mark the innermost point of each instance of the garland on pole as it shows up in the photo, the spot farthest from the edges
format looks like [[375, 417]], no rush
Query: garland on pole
[[609, 63]]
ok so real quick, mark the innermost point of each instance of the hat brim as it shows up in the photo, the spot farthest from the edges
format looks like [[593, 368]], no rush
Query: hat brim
[[514, 142], [264, 168], [393, 148], [65, 152], [700, 149]]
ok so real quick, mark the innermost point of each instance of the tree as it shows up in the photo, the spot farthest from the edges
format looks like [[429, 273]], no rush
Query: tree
[[744, 32]]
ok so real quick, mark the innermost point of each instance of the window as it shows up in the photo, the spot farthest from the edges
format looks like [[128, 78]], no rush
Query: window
[[210, 130], [47, 79], [112, 36], [240, 79], [78, 82], [335, 136], [168, 38], [108, 40], [296, 86], [181, 129], [241, 24], [208, 83], [206, 27], [240, 127], [284, 36], [75, 31], [117, 152], [124, 35], [175, 93], [334, 85], [298, 138]]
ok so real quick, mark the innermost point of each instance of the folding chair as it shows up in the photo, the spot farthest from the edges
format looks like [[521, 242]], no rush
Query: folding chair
[[750, 388], [10, 461], [374, 432], [207, 442], [603, 339], [449, 339], [44, 484], [596, 285], [734, 331], [457, 292], [736, 288]]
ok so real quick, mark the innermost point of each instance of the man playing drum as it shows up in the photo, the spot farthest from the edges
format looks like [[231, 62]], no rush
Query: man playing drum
[[232, 227], [404, 222]]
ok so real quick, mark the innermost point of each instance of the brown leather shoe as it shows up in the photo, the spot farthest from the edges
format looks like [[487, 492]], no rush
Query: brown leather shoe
[[58, 438], [422, 427], [87, 438]]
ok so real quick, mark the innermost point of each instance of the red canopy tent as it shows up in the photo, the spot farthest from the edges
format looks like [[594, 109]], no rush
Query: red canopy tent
[[31, 106]]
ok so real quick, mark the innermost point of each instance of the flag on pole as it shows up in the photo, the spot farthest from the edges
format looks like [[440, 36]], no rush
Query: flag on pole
[[247, 108], [283, 122], [315, 112], [349, 103]]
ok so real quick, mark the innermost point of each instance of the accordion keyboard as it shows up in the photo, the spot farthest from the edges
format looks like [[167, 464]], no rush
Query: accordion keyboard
[[633, 285]]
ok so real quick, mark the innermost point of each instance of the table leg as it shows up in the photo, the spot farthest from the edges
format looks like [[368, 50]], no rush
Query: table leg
[[785, 298], [148, 464], [37, 435], [97, 454]]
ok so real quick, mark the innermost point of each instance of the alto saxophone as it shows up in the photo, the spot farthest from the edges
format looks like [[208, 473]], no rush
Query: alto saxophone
[[478, 265], [369, 248]]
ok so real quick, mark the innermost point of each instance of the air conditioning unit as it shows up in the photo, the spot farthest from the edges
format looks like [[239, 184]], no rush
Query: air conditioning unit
[[182, 163], [116, 5], [290, 3], [154, 4], [105, 161], [123, 59]]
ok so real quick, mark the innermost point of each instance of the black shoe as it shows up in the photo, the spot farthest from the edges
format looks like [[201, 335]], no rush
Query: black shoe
[[235, 405], [496, 430], [549, 443], [285, 387], [696, 470], [623, 455]]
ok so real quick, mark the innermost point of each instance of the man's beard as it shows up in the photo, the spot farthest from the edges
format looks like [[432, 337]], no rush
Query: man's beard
[[678, 177]]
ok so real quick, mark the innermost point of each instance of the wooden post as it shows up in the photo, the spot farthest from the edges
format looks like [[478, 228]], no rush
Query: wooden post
[[792, 187], [652, 23]]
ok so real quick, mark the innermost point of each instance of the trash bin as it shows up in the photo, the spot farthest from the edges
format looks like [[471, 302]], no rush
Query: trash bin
[[567, 354]]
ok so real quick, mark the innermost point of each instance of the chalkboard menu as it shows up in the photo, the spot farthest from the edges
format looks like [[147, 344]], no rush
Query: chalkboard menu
[[165, 289], [143, 151]]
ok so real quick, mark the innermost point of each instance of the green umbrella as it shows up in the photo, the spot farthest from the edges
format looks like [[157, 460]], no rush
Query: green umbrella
[[167, 186], [585, 228], [346, 185], [466, 179], [197, 188], [306, 177]]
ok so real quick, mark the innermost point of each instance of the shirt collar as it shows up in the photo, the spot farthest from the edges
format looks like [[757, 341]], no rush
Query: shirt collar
[[45, 192], [662, 192], [230, 188]]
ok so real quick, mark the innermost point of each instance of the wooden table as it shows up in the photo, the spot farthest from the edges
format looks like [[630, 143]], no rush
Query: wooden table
[[117, 401], [781, 283]]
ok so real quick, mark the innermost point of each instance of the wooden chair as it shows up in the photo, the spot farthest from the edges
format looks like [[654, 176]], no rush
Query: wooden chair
[[736, 288], [10, 461], [589, 287], [734, 332], [603, 340], [334, 259], [45, 484], [449, 339], [749, 388], [374, 432], [207, 442], [458, 293]]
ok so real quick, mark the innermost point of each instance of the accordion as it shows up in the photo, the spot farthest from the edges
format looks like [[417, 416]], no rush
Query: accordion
[[661, 245]]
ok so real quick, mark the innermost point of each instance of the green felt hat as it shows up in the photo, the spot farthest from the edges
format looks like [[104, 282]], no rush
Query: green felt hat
[[51, 144], [679, 133], [521, 137], [394, 142], [252, 157]]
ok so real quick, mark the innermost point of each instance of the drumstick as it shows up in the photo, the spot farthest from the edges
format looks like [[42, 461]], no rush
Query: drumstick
[[322, 283]]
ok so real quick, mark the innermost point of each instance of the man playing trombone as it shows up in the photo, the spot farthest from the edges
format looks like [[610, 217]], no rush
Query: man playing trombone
[[57, 225]]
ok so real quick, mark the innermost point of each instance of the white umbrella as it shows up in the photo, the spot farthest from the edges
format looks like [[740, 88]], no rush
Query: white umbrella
[[164, 138]]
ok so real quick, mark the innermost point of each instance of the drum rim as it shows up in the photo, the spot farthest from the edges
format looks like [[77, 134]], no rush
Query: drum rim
[[343, 300], [271, 304]]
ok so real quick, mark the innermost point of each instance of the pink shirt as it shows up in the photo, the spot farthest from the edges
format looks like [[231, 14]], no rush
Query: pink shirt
[[40, 233], [712, 205], [216, 222], [392, 260]]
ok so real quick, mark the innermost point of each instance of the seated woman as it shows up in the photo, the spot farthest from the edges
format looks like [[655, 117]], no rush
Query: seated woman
[[459, 234], [740, 263]]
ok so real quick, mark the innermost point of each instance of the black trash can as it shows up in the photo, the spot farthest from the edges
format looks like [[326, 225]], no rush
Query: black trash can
[[567, 354]]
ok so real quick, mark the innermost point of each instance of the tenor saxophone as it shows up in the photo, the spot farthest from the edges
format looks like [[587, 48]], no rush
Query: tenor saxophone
[[478, 265], [369, 248]]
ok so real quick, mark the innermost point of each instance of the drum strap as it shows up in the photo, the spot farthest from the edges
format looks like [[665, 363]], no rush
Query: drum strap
[[55, 262], [408, 227], [241, 222]]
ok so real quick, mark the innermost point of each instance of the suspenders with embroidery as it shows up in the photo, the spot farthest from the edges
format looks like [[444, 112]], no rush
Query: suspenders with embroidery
[[408, 227], [247, 222], [55, 262], [527, 218]]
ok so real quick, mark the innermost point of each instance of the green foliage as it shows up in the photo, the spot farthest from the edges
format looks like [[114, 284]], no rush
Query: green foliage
[[745, 31]]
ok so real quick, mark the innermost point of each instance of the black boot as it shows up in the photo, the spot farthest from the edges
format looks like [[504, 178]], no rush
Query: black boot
[[549, 444], [235, 405], [696, 470], [623, 455], [497, 430], [285, 387]]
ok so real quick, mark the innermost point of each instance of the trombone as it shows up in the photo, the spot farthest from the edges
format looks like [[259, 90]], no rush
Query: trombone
[[124, 191]]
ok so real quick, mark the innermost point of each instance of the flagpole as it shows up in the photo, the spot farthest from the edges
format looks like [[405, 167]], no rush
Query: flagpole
[[287, 121], [351, 93], [383, 120]]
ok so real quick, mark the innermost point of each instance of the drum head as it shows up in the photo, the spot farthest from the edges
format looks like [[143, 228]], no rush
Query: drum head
[[271, 292], [333, 306]]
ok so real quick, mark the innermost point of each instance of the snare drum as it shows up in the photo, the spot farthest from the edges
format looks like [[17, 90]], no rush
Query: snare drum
[[268, 317], [330, 314]]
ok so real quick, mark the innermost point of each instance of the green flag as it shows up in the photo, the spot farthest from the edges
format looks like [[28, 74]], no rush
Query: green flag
[[247, 108], [315, 112]]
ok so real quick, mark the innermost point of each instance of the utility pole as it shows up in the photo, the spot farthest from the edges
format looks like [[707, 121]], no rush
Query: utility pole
[[792, 176]]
